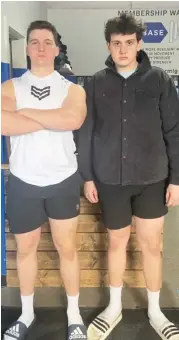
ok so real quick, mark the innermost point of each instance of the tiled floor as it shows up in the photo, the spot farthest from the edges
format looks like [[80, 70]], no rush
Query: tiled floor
[[52, 324]]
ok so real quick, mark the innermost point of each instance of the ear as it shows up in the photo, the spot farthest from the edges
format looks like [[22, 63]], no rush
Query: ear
[[108, 46], [139, 45], [57, 51], [27, 51]]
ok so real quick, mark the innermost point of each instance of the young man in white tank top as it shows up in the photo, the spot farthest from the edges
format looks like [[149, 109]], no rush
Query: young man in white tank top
[[39, 112]]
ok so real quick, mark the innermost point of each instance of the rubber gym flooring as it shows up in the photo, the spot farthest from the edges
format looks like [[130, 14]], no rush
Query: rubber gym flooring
[[52, 323]]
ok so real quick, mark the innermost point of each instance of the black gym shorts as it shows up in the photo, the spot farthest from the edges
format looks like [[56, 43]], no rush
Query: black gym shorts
[[120, 203], [29, 206]]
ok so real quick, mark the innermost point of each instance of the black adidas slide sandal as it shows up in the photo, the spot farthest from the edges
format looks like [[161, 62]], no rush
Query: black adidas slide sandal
[[18, 330], [77, 332]]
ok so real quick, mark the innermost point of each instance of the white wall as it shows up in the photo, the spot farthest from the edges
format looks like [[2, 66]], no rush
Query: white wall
[[82, 30], [18, 15]]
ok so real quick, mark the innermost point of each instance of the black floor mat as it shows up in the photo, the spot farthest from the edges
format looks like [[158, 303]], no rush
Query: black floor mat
[[52, 323]]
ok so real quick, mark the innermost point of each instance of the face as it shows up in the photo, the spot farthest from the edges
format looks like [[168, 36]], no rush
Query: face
[[123, 49], [41, 48]]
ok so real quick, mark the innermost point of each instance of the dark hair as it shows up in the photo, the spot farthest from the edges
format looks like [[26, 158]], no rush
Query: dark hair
[[41, 25], [124, 24]]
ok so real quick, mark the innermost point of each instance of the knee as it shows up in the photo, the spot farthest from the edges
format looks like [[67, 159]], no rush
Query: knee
[[27, 245], [151, 246], [67, 251], [118, 239]]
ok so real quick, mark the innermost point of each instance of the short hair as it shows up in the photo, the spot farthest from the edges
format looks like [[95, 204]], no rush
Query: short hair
[[41, 25], [124, 24]]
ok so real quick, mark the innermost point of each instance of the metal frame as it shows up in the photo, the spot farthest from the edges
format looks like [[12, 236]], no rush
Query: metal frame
[[3, 237]]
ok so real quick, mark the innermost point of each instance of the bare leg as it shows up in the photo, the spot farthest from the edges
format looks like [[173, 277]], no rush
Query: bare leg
[[64, 238], [118, 240], [27, 270], [149, 234]]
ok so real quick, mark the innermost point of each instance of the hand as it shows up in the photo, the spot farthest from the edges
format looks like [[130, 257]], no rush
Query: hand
[[172, 195], [90, 192]]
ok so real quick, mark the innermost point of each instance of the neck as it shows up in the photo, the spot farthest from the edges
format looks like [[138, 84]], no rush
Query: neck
[[42, 71], [127, 68]]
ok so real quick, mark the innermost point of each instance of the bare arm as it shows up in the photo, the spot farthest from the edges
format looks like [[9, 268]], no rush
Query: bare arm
[[13, 125], [11, 122], [69, 117], [86, 135]]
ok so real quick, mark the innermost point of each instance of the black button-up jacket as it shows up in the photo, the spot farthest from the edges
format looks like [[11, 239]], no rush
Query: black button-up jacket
[[131, 133]]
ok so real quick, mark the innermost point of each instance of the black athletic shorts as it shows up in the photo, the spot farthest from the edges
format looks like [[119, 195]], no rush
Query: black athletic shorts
[[120, 203], [29, 206]]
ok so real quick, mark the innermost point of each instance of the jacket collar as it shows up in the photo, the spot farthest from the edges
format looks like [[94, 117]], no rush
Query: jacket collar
[[142, 58]]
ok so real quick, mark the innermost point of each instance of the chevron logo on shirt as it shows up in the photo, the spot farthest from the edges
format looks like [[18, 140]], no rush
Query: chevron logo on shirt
[[40, 93]]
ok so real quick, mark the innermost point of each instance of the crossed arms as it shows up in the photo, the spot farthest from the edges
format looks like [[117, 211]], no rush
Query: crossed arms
[[69, 117]]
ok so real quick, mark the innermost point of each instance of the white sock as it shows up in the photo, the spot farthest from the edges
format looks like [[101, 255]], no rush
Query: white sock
[[27, 315], [115, 305], [154, 312], [73, 311]]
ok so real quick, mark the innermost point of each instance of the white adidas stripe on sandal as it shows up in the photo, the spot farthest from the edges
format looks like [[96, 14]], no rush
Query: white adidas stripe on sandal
[[168, 331], [100, 328]]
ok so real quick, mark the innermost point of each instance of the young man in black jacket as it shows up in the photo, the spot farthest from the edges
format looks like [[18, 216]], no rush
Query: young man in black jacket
[[129, 159]]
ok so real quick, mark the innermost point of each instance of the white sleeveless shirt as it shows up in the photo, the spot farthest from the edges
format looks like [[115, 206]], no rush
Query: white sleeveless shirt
[[44, 157]]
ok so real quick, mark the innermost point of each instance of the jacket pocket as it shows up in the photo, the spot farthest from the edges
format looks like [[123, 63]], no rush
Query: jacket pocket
[[145, 102], [107, 106]]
